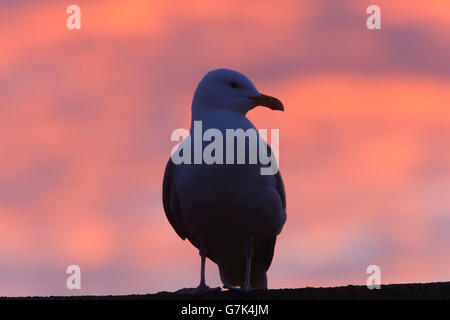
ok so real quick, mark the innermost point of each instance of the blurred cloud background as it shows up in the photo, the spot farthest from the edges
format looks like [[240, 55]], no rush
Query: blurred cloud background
[[86, 118]]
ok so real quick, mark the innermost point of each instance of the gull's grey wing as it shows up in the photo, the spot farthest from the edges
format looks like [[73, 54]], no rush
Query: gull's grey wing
[[269, 242], [279, 186], [171, 202]]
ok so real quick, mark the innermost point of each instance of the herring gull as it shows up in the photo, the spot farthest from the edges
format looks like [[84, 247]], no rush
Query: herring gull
[[230, 212]]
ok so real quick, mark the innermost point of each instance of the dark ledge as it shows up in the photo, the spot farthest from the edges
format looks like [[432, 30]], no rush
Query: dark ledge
[[437, 290]]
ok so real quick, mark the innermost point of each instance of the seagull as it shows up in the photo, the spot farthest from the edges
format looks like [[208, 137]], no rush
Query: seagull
[[230, 212]]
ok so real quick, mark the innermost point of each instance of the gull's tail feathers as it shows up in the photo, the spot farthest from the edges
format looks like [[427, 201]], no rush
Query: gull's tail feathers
[[232, 265]]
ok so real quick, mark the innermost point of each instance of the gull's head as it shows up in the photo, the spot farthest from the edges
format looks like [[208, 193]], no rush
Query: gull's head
[[231, 90]]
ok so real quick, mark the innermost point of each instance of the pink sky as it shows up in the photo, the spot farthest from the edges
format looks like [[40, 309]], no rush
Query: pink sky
[[86, 118]]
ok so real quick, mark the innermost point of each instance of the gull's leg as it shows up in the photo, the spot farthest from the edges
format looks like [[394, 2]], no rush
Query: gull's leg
[[248, 251], [202, 287], [203, 252], [248, 265]]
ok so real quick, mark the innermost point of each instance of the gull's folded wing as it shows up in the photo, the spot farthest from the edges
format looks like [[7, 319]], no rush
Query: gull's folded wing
[[269, 242], [279, 186], [170, 201]]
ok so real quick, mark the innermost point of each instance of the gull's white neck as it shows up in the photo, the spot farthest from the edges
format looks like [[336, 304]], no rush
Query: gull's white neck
[[220, 119]]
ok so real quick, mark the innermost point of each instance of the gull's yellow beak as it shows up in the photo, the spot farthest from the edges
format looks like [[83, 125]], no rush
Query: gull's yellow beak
[[268, 101]]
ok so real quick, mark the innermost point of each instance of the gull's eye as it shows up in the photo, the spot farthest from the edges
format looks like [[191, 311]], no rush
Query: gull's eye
[[233, 84]]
